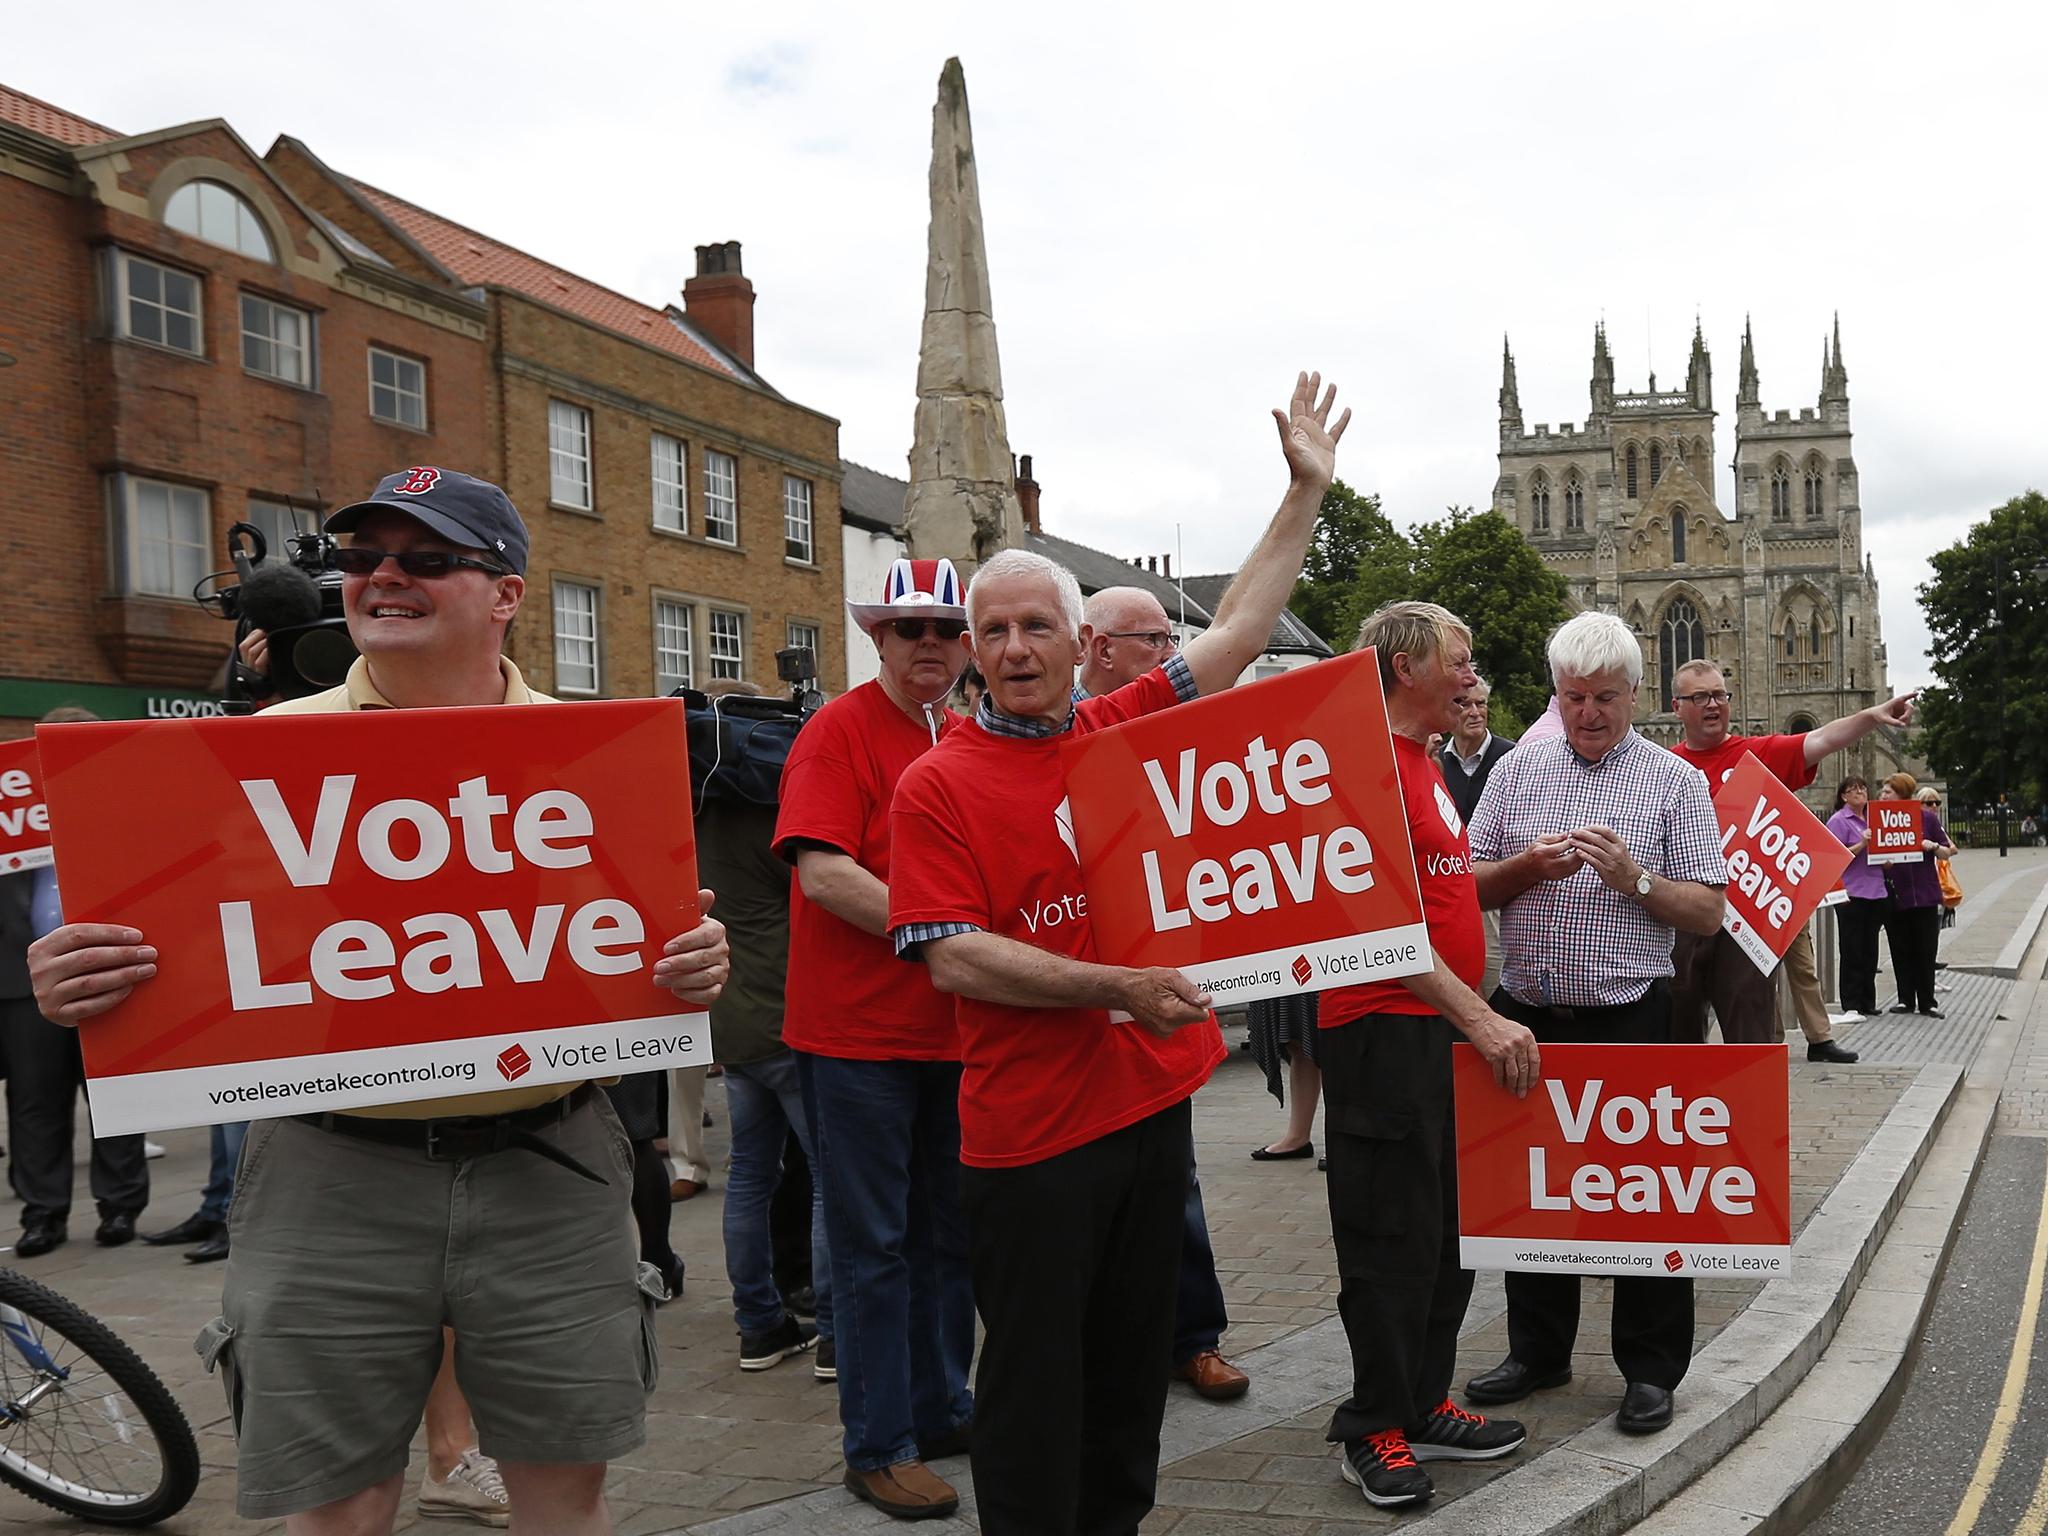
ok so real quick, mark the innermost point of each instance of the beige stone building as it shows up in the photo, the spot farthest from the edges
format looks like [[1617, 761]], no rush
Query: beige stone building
[[1777, 589]]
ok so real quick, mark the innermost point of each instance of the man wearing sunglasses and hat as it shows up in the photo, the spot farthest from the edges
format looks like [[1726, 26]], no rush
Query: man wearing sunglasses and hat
[[878, 1056], [352, 1246]]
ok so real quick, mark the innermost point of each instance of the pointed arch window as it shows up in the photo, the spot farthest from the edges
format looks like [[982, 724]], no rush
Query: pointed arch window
[[1656, 464], [1539, 503], [1681, 638], [1813, 506], [1678, 535], [1813, 637], [1781, 494], [1574, 503], [1791, 641], [1631, 471]]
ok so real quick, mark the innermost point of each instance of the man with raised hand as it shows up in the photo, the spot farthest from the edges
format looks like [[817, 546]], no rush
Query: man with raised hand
[[878, 1057], [1124, 635], [1712, 968], [357, 1236], [1074, 1126]]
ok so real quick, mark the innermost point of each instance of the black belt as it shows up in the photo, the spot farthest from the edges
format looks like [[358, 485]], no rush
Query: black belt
[[447, 1141]]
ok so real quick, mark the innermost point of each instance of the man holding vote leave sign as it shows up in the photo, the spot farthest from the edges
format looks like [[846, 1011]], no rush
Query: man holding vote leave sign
[[357, 1236]]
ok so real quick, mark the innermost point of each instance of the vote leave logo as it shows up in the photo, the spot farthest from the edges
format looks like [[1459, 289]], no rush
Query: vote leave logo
[[514, 1063], [1674, 1261], [1301, 969]]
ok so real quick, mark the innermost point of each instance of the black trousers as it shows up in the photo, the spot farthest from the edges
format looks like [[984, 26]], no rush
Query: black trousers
[[1074, 1262], [1652, 1337], [1859, 920], [1915, 935], [1712, 969], [1393, 1150], [44, 1074]]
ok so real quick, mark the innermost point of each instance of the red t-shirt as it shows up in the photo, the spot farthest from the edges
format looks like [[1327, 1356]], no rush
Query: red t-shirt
[[847, 993], [978, 838], [1785, 756], [1450, 898]]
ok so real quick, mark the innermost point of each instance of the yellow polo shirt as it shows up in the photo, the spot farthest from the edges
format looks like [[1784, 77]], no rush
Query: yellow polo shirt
[[358, 692]]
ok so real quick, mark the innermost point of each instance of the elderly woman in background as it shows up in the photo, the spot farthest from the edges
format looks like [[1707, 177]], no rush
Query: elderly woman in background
[[1913, 925], [1862, 917]]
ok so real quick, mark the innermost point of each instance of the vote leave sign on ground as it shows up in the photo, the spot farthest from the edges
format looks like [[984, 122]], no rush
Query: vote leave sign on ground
[[369, 908], [1255, 839], [1895, 832], [1782, 861], [1628, 1160], [24, 819]]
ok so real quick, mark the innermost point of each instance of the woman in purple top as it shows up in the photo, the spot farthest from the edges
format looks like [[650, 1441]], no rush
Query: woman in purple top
[[1861, 918], [1914, 925]]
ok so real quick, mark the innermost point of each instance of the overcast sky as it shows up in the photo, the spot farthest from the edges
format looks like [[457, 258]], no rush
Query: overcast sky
[[1186, 203]]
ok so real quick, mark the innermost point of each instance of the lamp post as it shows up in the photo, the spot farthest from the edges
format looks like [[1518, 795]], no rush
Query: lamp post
[[2037, 572]]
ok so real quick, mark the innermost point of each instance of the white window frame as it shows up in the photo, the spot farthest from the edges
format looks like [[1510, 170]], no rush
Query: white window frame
[[272, 516], [797, 633], [675, 640], [797, 541], [669, 469], [300, 372], [579, 651], [716, 656], [397, 389], [194, 542], [124, 301], [569, 456], [721, 497]]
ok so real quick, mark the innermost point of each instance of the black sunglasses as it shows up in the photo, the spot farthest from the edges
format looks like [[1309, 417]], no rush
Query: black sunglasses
[[427, 564], [917, 629]]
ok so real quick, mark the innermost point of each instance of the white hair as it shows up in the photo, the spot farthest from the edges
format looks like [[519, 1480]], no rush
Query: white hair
[[1593, 643], [1022, 562]]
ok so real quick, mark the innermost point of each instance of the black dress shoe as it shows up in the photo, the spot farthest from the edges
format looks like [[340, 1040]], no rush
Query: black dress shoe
[[1901, 1008], [115, 1228], [1828, 1050], [215, 1247], [1268, 1155], [38, 1237], [1644, 1409], [1511, 1381], [1931, 1013], [193, 1229]]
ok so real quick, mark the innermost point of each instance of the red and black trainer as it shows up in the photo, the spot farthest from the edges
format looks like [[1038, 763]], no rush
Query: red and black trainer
[[1383, 1468], [1451, 1433]]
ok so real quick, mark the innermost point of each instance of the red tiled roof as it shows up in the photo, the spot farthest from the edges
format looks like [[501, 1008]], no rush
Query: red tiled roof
[[478, 259], [25, 111]]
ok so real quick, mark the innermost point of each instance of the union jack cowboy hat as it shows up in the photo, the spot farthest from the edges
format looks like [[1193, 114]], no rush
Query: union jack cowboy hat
[[915, 589]]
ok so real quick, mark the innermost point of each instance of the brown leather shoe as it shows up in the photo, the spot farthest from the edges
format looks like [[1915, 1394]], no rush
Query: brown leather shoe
[[683, 1189], [1213, 1377], [909, 1490]]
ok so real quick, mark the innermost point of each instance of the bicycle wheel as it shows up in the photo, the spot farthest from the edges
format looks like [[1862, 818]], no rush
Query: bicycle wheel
[[85, 1426]]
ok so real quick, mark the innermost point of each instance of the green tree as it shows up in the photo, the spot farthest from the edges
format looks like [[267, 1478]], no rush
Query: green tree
[[1987, 622], [1481, 568], [1357, 560]]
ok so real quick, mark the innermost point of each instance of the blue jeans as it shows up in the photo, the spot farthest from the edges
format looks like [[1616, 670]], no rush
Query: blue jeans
[[766, 1105], [888, 1138], [220, 1174], [1198, 1315]]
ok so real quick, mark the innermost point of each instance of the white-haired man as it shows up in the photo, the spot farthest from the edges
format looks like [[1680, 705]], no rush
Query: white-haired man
[[1712, 968], [1125, 634], [1597, 847], [1074, 1127], [878, 1057]]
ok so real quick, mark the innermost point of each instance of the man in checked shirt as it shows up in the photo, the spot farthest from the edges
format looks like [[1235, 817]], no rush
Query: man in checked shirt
[[1597, 847]]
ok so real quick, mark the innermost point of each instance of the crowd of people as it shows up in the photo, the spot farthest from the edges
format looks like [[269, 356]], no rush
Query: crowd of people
[[996, 1125]]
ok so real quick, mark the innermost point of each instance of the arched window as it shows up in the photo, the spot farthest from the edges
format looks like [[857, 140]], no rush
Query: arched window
[[1539, 503], [1574, 503], [1813, 637], [1678, 535], [1631, 471], [1813, 511], [1791, 641], [1656, 463], [1682, 638], [1781, 494], [220, 217]]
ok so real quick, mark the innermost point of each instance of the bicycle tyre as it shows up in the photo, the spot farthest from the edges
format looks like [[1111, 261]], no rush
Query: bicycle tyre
[[92, 1339]]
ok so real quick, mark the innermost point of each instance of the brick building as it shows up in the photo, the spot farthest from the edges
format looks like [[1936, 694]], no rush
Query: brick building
[[193, 335]]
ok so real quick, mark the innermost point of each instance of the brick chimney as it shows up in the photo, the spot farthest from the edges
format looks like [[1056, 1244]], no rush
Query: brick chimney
[[1027, 495], [719, 300]]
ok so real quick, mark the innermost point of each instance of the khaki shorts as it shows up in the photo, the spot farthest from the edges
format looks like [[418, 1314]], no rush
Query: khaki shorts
[[346, 1259]]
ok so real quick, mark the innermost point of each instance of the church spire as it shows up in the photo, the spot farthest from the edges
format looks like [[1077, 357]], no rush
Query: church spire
[[1510, 400], [1699, 371], [1603, 371], [1746, 392], [1834, 383]]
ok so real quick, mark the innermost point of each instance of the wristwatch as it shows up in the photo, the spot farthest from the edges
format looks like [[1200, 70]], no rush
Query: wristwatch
[[1644, 880]]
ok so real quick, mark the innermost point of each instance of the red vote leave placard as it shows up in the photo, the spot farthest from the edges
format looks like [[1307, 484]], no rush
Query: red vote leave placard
[[1782, 861], [1895, 836], [24, 818], [1255, 839], [374, 907], [1628, 1159]]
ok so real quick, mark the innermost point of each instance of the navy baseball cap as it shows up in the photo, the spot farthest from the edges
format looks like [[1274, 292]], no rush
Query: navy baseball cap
[[458, 507]]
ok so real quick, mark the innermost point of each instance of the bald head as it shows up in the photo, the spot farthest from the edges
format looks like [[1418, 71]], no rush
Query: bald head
[[1120, 631]]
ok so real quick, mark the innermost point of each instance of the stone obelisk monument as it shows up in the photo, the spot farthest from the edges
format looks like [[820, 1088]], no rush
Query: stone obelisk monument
[[963, 500]]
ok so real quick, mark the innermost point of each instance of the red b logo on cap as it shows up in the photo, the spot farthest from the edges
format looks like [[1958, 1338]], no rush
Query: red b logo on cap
[[418, 481]]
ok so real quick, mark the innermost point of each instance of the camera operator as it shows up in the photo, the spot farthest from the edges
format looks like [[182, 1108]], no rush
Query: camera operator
[[351, 1246]]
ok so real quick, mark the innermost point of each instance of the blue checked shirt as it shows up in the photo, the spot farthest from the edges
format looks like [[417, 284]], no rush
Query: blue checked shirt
[[1575, 943], [996, 723]]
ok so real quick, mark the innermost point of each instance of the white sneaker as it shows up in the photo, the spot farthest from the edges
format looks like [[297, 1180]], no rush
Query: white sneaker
[[152, 1151], [473, 1490]]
